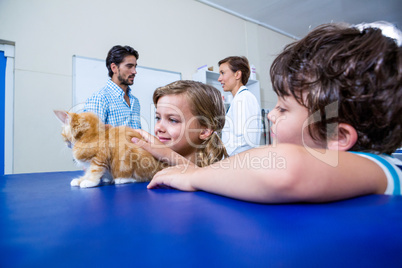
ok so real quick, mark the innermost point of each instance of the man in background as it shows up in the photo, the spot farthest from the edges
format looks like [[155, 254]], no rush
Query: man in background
[[115, 104]]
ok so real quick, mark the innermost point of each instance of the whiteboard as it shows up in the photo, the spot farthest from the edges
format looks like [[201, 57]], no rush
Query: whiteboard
[[90, 75]]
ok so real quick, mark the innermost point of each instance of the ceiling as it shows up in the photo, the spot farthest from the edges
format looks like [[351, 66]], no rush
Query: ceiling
[[294, 18]]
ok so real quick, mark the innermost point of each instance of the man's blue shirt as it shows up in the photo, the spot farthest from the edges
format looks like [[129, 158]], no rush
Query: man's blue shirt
[[111, 107]]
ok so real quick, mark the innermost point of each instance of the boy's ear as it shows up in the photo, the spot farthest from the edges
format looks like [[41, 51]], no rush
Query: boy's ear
[[62, 116], [205, 133], [346, 138]]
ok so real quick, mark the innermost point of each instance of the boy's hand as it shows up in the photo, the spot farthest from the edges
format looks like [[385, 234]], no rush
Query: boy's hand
[[177, 177]]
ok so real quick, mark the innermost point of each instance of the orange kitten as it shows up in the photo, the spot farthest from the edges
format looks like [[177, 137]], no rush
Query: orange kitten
[[106, 151]]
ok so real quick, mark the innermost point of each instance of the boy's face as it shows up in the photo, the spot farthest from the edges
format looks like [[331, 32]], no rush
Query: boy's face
[[289, 123], [176, 126]]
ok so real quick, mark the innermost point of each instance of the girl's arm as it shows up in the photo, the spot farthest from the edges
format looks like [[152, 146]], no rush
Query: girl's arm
[[159, 150], [281, 174]]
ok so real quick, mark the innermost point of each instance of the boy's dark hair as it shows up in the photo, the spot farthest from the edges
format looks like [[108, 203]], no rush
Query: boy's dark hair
[[238, 64], [117, 54], [360, 70]]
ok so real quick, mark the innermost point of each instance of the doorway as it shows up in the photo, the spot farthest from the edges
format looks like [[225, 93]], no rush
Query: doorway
[[6, 108]]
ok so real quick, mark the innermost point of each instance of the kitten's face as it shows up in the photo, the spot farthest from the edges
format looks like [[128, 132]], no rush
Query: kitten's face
[[66, 134], [75, 126], [65, 119]]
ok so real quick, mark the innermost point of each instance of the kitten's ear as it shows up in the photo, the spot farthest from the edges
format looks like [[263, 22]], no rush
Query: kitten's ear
[[62, 116]]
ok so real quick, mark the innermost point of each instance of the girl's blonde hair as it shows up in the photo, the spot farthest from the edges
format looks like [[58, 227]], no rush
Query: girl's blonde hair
[[207, 106]]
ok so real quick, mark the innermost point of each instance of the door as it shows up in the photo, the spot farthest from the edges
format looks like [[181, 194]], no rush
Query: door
[[6, 108], [3, 63]]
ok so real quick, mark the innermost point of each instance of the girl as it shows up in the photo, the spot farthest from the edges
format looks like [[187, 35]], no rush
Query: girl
[[337, 120], [189, 117]]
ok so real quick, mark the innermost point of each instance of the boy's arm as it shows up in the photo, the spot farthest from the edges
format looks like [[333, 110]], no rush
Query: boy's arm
[[286, 173]]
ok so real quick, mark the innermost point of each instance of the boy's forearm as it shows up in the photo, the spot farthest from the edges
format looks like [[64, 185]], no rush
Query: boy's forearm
[[298, 177], [286, 173], [246, 176]]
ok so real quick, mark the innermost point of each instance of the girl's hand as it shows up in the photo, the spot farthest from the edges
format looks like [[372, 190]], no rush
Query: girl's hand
[[158, 150], [149, 140], [176, 177]]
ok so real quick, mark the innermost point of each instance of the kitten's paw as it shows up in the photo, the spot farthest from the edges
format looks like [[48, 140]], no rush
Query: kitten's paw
[[107, 182], [75, 182], [124, 180], [88, 184], [107, 178]]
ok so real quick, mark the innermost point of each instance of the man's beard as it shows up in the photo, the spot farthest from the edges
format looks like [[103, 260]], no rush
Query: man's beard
[[125, 82]]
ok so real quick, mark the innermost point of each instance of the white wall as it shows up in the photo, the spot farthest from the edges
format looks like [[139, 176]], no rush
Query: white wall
[[175, 35]]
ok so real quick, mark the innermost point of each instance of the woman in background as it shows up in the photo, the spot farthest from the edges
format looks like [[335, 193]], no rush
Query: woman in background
[[242, 130]]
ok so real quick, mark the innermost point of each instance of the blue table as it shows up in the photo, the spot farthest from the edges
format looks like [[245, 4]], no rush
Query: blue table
[[45, 222]]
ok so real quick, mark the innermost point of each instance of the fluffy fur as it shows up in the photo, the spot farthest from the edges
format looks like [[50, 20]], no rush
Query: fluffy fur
[[105, 151]]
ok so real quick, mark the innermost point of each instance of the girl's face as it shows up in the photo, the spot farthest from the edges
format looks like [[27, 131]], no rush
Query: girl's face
[[176, 126], [289, 123]]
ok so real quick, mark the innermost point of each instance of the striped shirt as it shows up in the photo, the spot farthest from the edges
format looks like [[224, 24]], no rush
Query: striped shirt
[[392, 168], [111, 107]]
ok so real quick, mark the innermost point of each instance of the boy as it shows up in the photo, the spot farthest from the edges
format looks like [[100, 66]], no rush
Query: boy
[[339, 90]]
